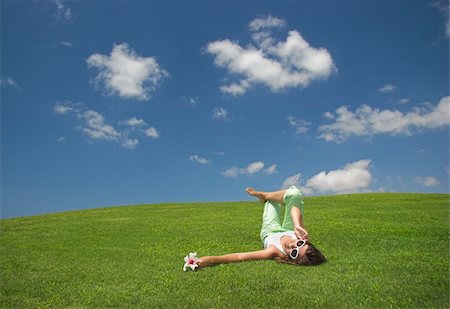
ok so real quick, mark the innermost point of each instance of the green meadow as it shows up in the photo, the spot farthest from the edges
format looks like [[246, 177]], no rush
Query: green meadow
[[383, 251]]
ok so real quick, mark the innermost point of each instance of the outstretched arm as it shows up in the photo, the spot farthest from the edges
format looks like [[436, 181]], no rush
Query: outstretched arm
[[266, 254], [299, 225]]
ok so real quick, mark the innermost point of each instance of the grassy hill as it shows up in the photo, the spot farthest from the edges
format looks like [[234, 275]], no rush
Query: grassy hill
[[383, 250]]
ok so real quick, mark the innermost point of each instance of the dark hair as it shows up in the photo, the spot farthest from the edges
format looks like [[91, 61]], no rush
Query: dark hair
[[312, 257]]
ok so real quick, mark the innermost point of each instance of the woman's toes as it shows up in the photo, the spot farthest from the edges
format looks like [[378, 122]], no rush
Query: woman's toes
[[250, 191]]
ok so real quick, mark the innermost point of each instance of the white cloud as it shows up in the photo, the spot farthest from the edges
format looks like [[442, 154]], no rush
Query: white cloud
[[277, 65], [232, 172], [126, 74], [8, 82], [354, 177], [198, 159], [260, 24], [387, 88], [61, 139], [403, 101], [368, 121], [296, 180], [250, 169], [96, 128], [63, 13], [151, 132], [300, 126], [94, 125], [191, 100], [134, 122], [130, 143], [141, 126], [443, 7], [67, 44], [328, 115], [428, 181], [447, 26], [293, 180], [236, 89], [65, 107], [271, 169], [220, 113], [254, 167]]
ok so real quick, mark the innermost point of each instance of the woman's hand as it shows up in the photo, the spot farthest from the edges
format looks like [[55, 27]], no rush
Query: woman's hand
[[301, 233], [204, 262]]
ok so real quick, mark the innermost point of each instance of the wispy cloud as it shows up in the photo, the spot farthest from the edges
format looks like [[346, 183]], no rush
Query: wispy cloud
[[260, 26], [293, 180], [368, 121], [151, 132], [443, 7], [220, 113], [422, 151], [7, 81], [96, 128], [198, 159], [277, 65], [301, 126], [94, 125], [63, 13], [250, 169], [65, 107], [191, 100], [353, 177], [130, 143], [387, 88], [219, 153], [126, 74], [296, 180], [271, 169], [66, 44], [134, 122], [427, 181], [61, 139], [137, 124]]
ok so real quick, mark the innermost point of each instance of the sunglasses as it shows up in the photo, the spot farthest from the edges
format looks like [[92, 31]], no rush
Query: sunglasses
[[294, 253]]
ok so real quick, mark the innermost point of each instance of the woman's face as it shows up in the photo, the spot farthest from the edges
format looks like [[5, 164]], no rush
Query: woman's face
[[291, 245]]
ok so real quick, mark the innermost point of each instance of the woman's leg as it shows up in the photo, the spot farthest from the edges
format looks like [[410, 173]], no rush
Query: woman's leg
[[271, 219], [276, 196], [272, 210]]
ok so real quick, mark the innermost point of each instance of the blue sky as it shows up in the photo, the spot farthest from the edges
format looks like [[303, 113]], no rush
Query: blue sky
[[116, 103]]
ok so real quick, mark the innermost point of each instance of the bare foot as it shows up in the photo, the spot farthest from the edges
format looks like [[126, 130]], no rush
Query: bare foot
[[257, 194]]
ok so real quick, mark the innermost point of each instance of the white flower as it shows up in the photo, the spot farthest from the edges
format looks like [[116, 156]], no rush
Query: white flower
[[191, 261]]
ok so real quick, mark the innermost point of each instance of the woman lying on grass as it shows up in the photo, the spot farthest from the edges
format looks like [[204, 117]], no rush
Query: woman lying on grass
[[285, 243]]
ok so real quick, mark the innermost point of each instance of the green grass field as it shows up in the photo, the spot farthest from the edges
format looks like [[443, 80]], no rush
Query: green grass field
[[383, 250]]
